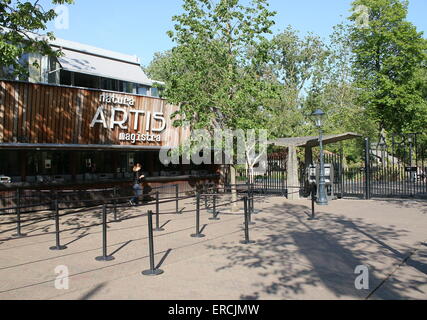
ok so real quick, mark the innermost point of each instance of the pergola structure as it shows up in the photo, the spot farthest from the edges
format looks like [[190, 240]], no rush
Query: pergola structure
[[308, 143]]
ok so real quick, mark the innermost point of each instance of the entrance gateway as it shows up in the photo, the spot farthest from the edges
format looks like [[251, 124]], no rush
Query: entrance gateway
[[394, 169], [297, 184]]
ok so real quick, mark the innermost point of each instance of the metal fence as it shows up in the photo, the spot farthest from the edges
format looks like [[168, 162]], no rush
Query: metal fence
[[273, 181], [386, 172], [37, 200]]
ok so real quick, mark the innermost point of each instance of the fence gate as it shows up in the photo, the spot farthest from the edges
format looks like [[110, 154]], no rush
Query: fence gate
[[394, 169]]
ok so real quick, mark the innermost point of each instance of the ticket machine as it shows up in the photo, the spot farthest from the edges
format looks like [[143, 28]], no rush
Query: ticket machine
[[313, 176]]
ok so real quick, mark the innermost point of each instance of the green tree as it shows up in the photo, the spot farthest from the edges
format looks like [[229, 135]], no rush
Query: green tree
[[159, 67], [215, 73], [20, 26], [388, 52], [421, 87], [336, 93], [296, 65]]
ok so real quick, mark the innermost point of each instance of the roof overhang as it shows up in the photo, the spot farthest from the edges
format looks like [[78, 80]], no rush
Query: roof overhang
[[96, 65], [313, 141]]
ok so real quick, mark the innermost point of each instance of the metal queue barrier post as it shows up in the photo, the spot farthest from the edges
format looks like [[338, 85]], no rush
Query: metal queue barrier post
[[198, 234], [115, 205], [177, 200], [205, 192], [152, 271], [248, 185], [18, 216], [58, 246], [253, 210], [158, 229], [249, 210], [313, 200], [250, 222], [105, 256], [247, 240], [214, 212], [251, 202]]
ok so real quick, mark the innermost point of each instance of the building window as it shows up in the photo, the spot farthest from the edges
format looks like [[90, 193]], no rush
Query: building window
[[9, 163], [86, 81], [129, 87], [143, 90], [65, 78], [109, 84], [53, 74], [155, 92]]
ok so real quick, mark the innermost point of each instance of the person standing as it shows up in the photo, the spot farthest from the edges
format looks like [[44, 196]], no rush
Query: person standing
[[137, 188]]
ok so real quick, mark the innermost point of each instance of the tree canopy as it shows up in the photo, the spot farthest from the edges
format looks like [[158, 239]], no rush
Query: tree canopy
[[369, 76], [213, 72], [389, 52]]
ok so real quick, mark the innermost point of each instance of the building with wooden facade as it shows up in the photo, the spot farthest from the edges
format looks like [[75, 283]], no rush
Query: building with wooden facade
[[86, 117]]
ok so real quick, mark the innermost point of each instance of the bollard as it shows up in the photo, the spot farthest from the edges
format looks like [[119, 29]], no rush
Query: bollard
[[158, 213], [177, 198], [198, 234], [152, 271], [104, 256], [247, 240], [58, 246], [18, 216]]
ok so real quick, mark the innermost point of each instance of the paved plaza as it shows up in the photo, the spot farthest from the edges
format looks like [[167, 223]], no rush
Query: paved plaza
[[293, 257]]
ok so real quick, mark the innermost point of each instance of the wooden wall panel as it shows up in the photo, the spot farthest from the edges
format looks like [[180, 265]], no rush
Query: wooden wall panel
[[67, 122], [10, 106], [15, 113], [30, 114], [44, 105], [55, 121], [27, 112], [19, 93], [35, 126], [35, 113]]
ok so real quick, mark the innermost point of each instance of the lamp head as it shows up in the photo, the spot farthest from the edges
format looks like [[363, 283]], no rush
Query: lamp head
[[318, 117]]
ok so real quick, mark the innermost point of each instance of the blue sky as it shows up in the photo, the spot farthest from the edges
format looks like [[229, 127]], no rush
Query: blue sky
[[138, 27]]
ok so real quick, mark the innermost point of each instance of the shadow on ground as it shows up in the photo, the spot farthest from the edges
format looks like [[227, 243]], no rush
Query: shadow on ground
[[294, 255]]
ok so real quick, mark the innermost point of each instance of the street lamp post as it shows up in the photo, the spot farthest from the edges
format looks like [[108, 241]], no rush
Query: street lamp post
[[322, 200]]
